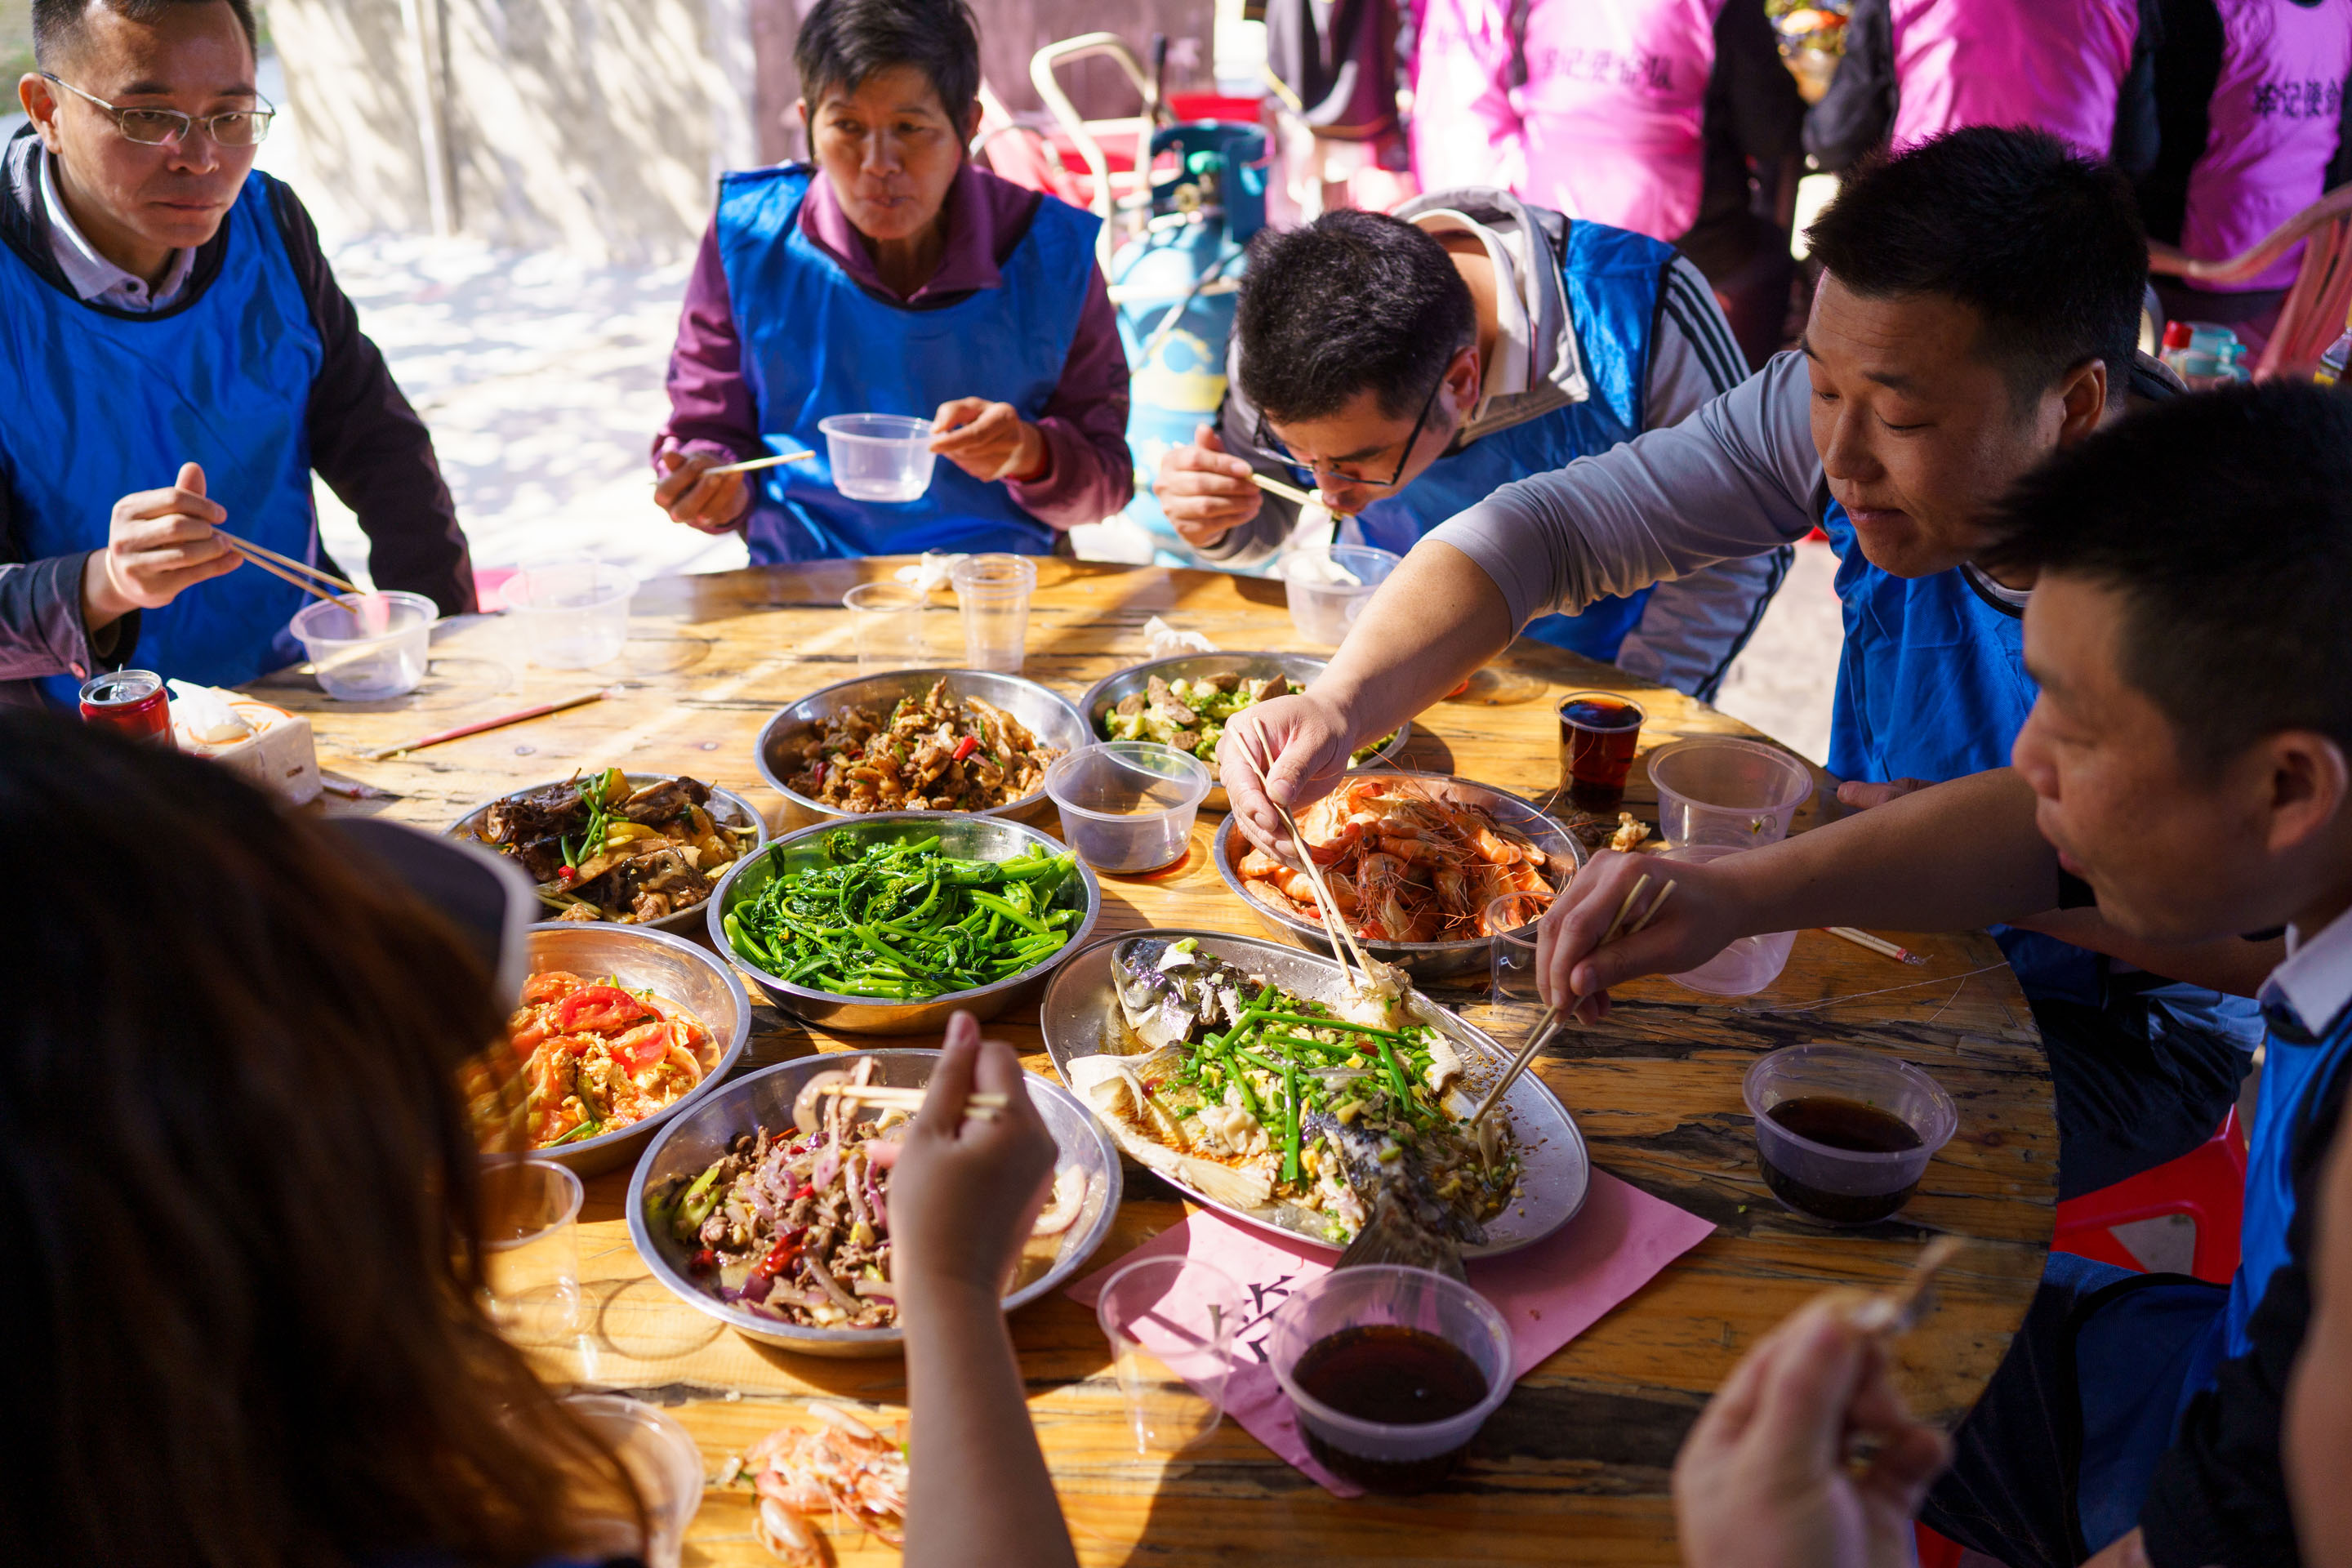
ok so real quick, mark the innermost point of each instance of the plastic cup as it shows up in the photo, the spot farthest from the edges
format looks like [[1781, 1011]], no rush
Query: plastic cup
[[1170, 1324], [878, 457], [574, 613], [531, 1263], [1330, 585], [1511, 963], [1128, 805], [1749, 964], [993, 594], [885, 623], [1718, 790], [1599, 733], [1832, 1176], [661, 1457], [380, 651], [1389, 1456]]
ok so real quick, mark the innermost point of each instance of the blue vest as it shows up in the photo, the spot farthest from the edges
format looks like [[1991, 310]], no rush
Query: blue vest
[[1931, 684], [815, 343], [1613, 278], [101, 405], [2292, 1077]]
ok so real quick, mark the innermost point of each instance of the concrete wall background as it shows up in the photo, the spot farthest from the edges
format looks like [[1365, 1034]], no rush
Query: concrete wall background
[[600, 126]]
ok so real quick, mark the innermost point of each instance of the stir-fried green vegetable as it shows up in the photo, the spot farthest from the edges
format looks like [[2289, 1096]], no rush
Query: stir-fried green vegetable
[[1191, 715], [602, 794], [903, 920]]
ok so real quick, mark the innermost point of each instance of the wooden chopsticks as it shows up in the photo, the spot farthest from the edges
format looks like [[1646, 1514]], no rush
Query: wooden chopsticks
[[1287, 492], [1875, 943], [286, 566], [462, 730], [980, 1107], [1328, 905], [750, 465]]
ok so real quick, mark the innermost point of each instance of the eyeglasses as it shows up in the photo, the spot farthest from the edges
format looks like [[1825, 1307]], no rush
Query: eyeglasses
[[169, 127], [1267, 441]]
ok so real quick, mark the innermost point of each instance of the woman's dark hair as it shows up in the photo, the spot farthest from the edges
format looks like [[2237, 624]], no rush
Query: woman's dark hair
[[2224, 522], [1353, 300], [843, 42], [59, 25], [239, 1240], [2044, 244]]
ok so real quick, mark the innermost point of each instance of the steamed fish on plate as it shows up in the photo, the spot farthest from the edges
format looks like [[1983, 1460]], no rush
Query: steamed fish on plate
[[1258, 1097]]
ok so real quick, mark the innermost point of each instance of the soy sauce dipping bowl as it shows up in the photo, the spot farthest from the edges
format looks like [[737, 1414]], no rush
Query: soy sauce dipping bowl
[[964, 837], [1860, 1186]]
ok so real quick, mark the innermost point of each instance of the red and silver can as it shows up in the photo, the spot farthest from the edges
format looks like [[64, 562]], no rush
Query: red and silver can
[[132, 702]]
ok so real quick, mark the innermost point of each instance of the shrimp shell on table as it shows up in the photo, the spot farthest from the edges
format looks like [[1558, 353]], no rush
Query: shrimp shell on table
[[801, 1474]]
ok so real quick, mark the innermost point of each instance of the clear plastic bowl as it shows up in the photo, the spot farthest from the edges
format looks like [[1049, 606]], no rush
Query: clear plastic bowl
[[1330, 585], [1128, 805], [661, 1457], [1377, 1294], [1749, 964], [1845, 1186], [878, 457], [1716, 790], [377, 653], [574, 614]]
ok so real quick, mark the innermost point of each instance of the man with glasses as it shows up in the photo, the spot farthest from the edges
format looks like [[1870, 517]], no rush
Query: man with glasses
[[178, 361], [1408, 366]]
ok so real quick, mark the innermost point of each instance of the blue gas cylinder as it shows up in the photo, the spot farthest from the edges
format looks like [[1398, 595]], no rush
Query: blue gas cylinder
[[1172, 289]]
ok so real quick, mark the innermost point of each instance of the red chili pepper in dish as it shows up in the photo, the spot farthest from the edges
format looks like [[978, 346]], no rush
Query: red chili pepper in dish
[[966, 747], [808, 1190], [780, 1256], [704, 1261], [595, 1008]]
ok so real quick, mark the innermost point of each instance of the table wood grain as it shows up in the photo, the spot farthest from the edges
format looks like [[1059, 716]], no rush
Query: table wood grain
[[1574, 1467]]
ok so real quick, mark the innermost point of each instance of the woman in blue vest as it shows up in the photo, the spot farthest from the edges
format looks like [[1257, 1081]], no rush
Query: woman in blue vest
[[891, 276], [1409, 366], [176, 353]]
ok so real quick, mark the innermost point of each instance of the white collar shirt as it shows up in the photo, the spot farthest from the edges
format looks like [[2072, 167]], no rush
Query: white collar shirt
[[2316, 978]]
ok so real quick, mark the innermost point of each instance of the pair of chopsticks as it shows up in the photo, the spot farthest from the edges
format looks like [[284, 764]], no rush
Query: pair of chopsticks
[[1287, 492], [1875, 943], [1555, 1016], [1329, 906], [284, 567], [462, 730], [752, 464], [980, 1107]]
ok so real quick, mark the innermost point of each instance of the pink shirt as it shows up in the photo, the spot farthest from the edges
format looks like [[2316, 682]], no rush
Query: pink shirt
[[2056, 65], [2273, 129], [1608, 126], [1089, 473]]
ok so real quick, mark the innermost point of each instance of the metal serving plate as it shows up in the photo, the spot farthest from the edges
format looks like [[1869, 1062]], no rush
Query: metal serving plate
[[690, 1144], [1107, 693], [1046, 714], [726, 808], [1081, 1018], [639, 957], [965, 837], [1421, 960]]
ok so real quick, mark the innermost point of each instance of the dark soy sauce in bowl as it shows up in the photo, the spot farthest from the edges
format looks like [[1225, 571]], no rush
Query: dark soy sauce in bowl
[[1398, 1376], [1838, 1122]]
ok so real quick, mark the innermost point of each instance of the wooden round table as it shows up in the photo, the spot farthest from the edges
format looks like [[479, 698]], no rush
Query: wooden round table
[[1574, 1467]]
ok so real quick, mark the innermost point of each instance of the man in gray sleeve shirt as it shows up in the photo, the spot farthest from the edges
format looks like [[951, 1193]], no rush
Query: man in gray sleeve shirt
[[1978, 311], [1408, 366]]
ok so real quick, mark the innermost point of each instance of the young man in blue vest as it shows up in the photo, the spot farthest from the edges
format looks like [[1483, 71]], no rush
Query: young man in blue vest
[[1407, 366], [178, 356], [1978, 313], [2185, 765]]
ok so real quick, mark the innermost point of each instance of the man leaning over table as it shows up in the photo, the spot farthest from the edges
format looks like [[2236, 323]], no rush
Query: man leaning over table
[[1407, 366], [892, 275], [1980, 310], [2185, 766], [179, 357]]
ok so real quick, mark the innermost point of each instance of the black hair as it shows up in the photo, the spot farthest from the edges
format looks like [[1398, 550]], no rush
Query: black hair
[[2225, 521], [58, 25], [1353, 300], [843, 42], [2044, 244]]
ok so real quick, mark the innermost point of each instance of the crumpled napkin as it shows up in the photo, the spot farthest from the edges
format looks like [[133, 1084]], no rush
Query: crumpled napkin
[[1164, 641], [931, 572]]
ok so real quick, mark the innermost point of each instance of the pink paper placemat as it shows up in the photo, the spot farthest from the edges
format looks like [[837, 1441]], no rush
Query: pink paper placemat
[[1548, 1293]]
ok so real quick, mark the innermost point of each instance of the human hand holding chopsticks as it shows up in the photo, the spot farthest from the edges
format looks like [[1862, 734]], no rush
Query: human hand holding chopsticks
[[1204, 490], [159, 544], [1281, 753], [967, 1188], [1764, 1481], [1613, 923], [695, 495]]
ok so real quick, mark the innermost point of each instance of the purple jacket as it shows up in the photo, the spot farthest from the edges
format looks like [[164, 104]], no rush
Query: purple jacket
[[1090, 474], [366, 442]]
